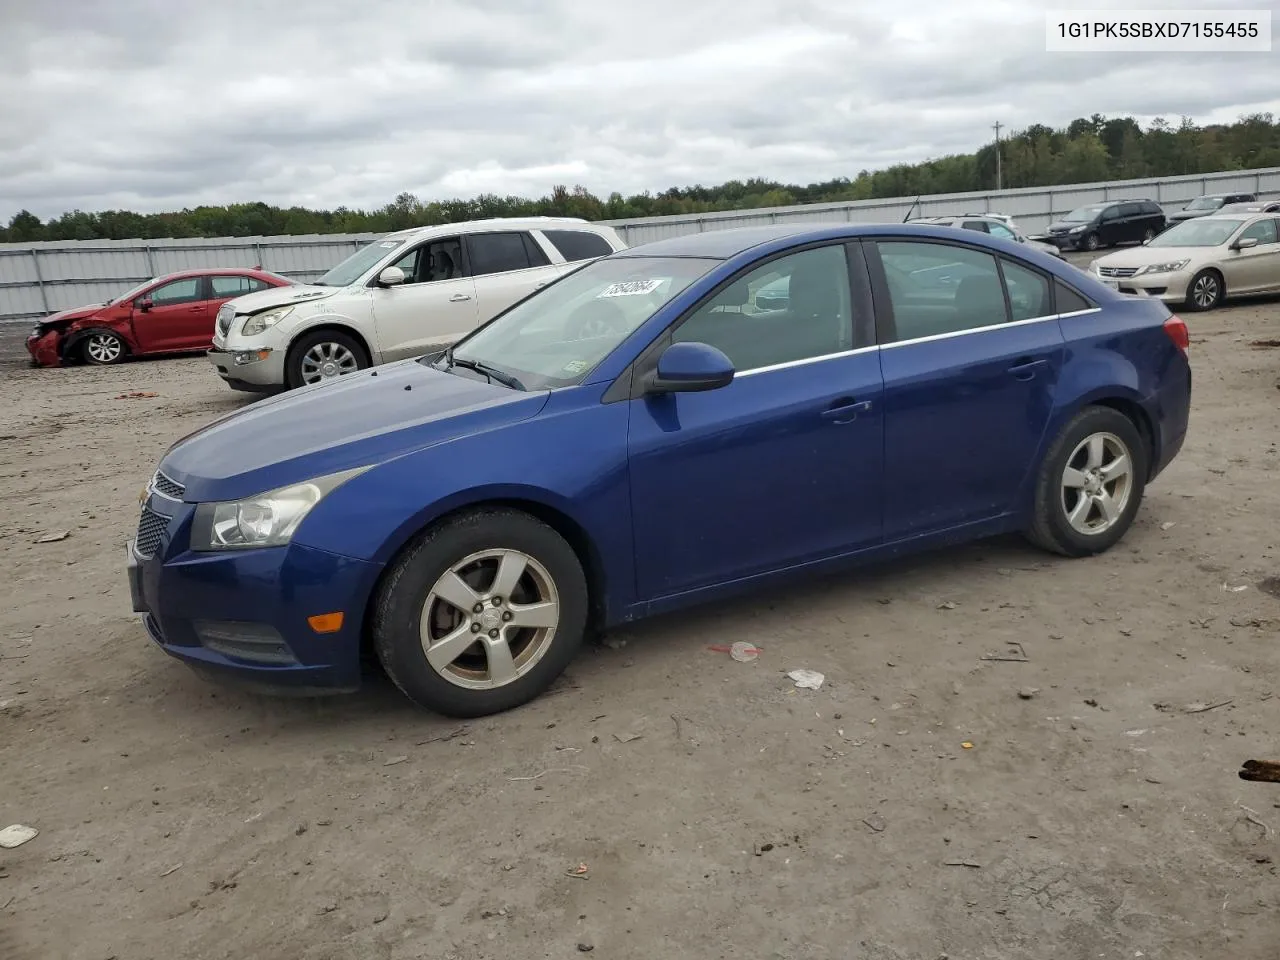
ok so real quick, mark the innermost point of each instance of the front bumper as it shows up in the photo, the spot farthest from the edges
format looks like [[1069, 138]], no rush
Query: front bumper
[[261, 376], [1063, 241], [211, 610], [1167, 287], [44, 349]]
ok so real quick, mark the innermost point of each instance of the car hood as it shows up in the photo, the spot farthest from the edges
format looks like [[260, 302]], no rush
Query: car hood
[[1146, 256], [280, 296], [66, 316], [360, 419], [1188, 214]]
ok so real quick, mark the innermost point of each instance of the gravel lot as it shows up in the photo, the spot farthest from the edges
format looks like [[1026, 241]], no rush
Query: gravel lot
[[719, 811]]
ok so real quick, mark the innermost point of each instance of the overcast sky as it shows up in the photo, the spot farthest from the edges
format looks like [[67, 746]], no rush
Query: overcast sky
[[159, 104]]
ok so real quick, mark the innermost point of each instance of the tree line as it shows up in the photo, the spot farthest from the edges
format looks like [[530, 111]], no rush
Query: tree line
[[1086, 150]]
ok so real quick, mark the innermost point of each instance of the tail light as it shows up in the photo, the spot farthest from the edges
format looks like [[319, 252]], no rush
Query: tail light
[[1178, 333]]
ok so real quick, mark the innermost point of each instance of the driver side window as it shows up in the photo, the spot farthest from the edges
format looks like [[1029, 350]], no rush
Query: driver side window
[[437, 260], [794, 308], [1264, 231], [177, 292]]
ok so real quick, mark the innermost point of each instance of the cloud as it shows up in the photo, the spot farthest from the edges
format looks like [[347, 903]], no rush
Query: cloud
[[159, 104]]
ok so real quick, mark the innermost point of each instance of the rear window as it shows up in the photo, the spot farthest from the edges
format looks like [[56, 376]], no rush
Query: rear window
[[575, 245]]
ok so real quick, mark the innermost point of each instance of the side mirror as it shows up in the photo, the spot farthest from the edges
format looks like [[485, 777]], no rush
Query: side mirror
[[391, 277], [690, 368], [145, 304], [1244, 243]]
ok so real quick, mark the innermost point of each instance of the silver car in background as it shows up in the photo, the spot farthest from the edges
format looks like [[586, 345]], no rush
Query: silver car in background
[[1198, 263]]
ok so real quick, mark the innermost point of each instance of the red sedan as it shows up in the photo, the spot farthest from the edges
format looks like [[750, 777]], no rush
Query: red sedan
[[170, 314]]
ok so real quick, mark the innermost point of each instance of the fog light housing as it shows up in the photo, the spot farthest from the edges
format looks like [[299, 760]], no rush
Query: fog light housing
[[243, 640], [243, 357]]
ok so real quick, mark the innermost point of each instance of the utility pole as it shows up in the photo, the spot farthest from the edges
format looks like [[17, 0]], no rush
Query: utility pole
[[998, 171]]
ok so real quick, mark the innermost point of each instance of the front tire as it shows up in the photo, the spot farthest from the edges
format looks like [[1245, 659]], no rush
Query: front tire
[[1205, 291], [1090, 484], [102, 349], [323, 355], [481, 614], [1091, 242]]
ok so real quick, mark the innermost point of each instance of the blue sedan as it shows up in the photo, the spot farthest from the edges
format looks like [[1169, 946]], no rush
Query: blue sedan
[[642, 435]]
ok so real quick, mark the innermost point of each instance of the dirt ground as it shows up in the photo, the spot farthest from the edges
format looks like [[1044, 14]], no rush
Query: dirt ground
[[719, 811]]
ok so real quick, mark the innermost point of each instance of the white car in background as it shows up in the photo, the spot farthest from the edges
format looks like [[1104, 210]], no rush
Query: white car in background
[[408, 294]]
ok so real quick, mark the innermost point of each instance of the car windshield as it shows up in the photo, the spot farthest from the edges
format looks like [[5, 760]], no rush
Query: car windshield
[[560, 334], [131, 292], [1204, 203], [355, 266], [1197, 233], [1084, 214]]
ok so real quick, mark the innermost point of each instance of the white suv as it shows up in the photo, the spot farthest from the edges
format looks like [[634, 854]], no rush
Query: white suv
[[405, 295]]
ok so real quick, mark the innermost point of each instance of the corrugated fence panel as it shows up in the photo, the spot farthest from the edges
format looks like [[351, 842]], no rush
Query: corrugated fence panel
[[40, 278]]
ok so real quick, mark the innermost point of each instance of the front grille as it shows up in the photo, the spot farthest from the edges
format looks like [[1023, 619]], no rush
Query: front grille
[[151, 527], [1117, 273], [226, 313], [166, 487]]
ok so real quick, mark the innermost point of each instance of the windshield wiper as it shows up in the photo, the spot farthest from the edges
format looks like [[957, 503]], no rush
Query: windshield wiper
[[506, 379]]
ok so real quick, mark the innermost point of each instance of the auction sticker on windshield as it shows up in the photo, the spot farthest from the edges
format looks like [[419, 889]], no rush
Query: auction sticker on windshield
[[631, 288]]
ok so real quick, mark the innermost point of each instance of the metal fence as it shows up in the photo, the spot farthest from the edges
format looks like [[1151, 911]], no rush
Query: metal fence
[[39, 278]]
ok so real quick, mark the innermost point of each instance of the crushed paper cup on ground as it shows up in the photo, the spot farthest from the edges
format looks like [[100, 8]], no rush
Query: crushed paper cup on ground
[[17, 835], [806, 679]]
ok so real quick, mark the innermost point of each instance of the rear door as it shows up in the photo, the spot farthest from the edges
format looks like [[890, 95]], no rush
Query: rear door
[[177, 315], [507, 267], [224, 287], [970, 370]]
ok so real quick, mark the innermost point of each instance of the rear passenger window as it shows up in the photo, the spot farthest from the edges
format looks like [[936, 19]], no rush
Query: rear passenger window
[[497, 253], [937, 288], [575, 245], [1068, 301], [233, 286], [1028, 292]]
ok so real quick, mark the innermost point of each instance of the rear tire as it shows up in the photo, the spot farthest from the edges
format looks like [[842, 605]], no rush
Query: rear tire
[[481, 614], [323, 355], [1090, 484], [102, 348]]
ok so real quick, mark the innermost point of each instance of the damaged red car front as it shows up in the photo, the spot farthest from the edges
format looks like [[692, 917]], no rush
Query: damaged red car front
[[169, 314]]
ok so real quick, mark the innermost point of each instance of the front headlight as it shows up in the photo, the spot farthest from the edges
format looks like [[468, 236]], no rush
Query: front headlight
[[259, 322], [1076, 230], [266, 520], [1173, 266]]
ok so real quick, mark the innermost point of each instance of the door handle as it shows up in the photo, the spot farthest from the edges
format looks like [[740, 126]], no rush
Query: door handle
[[1026, 369], [459, 297], [198, 308], [845, 410]]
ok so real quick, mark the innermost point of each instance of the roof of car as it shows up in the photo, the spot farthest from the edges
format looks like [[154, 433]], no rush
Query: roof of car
[[221, 272], [504, 223], [724, 244]]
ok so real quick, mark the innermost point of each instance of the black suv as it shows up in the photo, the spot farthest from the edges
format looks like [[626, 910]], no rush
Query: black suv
[[1106, 224]]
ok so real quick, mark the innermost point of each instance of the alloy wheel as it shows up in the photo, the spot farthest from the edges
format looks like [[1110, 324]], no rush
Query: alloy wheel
[[489, 619], [1205, 291], [326, 361], [104, 348], [1097, 483]]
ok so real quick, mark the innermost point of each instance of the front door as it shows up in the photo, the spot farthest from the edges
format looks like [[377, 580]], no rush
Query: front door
[[178, 314], [781, 466], [507, 268], [969, 380], [1255, 269], [435, 306]]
